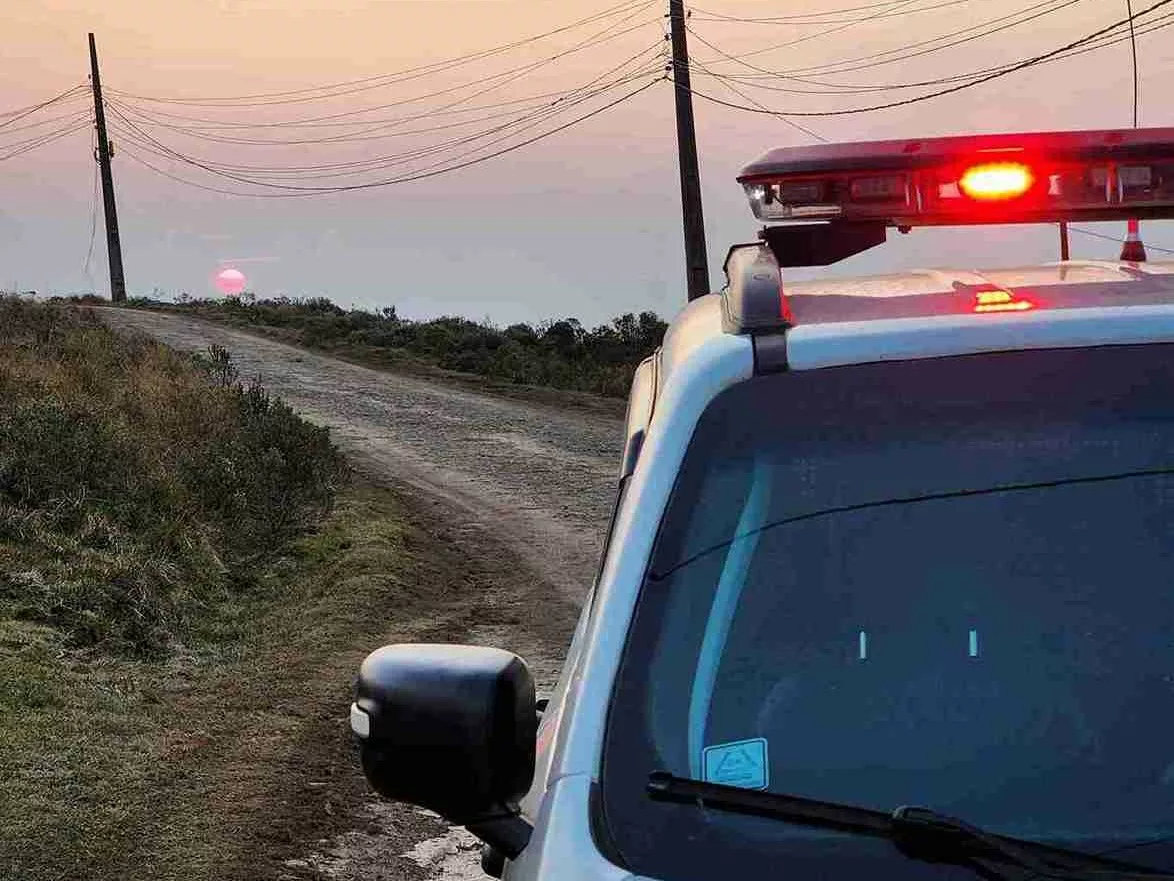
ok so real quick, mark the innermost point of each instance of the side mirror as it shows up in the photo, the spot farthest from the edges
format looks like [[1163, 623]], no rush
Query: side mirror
[[451, 728]]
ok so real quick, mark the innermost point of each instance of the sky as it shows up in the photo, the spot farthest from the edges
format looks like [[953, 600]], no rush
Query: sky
[[584, 223]]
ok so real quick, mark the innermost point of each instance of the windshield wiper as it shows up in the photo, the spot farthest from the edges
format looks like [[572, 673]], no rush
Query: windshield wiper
[[919, 833]]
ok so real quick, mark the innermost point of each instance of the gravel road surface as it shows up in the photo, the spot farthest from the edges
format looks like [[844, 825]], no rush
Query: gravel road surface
[[519, 480], [540, 477]]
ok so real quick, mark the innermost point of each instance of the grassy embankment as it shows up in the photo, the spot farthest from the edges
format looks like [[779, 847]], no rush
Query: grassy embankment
[[558, 355], [178, 556]]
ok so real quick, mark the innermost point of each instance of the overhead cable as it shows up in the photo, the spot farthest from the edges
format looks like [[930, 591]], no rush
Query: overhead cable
[[333, 90], [365, 166], [12, 116], [1155, 24], [1115, 240], [819, 17], [902, 53], [843, 26], [1029, 62], [781, 117], [310, 191], [41, 140], [377, 126]]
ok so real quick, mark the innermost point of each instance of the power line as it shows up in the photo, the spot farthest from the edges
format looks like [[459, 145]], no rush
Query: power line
[[41, 123], [380, 81], [496, 81], [843, 26], [129, 151], [514, 74], [1155, 24], [363, 166], [1115, 240], [356, 137], [310, 191], [892, 56], [851, 88], [41, 140], [320, 121], [733, 88], [19, 114], [813, 17], [1029, 62], [568, 98]]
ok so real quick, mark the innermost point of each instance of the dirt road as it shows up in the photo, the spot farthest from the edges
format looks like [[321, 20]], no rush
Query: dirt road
[[519, 491]]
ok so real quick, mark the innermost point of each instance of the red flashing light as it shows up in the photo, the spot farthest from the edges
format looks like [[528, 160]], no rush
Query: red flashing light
[[996, 181], [968, 180], [1000, 300]]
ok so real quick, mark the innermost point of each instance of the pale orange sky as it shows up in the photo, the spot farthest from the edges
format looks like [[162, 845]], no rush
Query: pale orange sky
[[584, 223]]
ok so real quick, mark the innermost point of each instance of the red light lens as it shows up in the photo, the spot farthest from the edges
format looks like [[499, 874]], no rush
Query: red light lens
[[1000, 301], [995, 181]]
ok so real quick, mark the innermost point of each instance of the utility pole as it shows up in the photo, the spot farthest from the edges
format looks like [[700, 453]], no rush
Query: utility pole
[[696, 263], [113, 245]]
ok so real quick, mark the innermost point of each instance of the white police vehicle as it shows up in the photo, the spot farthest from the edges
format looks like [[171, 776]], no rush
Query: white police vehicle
[[889, 588]]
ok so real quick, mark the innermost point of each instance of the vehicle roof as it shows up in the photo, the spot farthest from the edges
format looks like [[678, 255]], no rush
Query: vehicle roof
[[929, 313], [929, 292]]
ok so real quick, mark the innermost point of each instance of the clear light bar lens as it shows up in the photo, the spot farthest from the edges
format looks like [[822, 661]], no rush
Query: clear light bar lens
[[890, 188]]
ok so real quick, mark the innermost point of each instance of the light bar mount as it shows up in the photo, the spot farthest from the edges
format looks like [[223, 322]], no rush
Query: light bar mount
[[821, 244]]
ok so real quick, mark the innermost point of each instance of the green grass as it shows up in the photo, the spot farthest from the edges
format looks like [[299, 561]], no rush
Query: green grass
[[139, 488], [119, 768], [160, 537], [556, 354]]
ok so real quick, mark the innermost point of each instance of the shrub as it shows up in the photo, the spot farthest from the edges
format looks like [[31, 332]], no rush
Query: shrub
[[140, 487], [562, 353]]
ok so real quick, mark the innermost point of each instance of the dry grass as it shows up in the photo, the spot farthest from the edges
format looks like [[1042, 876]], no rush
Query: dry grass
[[159, 536], [139, 488]]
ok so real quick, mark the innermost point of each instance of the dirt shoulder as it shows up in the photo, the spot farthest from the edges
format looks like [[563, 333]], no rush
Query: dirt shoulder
[[241, 765], [279, 776]]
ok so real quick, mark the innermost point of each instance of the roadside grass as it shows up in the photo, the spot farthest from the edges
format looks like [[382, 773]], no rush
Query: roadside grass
[[139, 488], [119, 768], [182, 564]]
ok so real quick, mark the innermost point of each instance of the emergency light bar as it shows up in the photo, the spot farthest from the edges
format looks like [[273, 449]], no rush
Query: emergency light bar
[[972, 179]]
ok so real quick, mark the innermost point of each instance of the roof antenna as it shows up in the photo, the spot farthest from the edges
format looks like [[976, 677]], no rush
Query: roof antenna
[[1133, 249]]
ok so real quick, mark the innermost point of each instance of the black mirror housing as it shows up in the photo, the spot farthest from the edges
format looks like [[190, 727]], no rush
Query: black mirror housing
[[451, 728]]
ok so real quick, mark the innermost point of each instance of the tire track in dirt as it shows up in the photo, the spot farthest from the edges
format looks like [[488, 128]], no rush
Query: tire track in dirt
[[519, 491], [540, 478]]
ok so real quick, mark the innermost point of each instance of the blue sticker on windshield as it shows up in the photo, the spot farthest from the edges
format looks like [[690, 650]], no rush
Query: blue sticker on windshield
[[741, 763]]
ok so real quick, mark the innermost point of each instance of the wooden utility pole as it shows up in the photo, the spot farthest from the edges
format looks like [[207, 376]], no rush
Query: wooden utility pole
[[696, 263], [113, 245]]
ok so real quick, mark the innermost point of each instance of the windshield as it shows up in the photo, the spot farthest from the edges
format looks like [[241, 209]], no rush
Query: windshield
[[945, 583]]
